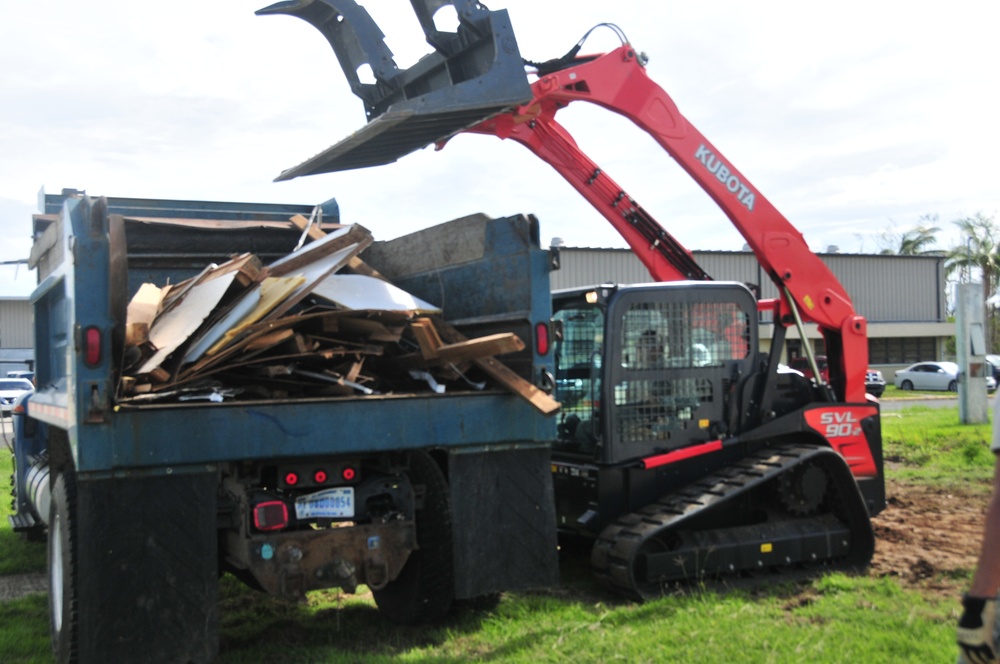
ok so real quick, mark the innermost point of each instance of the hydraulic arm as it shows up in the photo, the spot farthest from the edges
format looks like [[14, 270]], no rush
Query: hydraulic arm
[[618, 82], [474, 82]]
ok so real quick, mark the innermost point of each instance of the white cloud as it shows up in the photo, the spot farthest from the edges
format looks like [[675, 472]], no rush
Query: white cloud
[[848, 117]]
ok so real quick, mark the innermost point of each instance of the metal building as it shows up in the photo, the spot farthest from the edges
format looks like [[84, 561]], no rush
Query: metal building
[[17, 343], [903, 298]]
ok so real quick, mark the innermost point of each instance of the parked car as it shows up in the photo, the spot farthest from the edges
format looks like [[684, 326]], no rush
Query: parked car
[[994, 363], [874, 382], [27, 375], [933, 376], [10, 390]]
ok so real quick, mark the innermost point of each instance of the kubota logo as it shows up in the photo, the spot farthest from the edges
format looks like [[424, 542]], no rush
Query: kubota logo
[[724, 175]]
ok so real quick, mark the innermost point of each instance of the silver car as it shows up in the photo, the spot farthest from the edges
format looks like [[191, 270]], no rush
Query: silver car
[[933, 376], [10, 390]]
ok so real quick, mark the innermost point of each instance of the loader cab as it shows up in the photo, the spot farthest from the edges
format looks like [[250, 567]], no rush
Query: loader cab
[[648, 369]]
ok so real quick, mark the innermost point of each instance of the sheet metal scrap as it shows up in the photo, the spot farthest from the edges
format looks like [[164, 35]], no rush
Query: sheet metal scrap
[[293, 329]]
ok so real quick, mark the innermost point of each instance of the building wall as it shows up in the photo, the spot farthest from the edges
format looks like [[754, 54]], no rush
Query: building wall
[[883, 288], [16, 335], [902, 297]]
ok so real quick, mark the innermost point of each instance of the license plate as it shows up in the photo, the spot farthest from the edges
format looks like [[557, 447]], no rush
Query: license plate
[[328, 504]]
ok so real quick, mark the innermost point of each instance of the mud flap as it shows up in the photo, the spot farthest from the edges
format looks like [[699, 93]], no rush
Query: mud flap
[[503, 519], [146, 571], [473, 74]]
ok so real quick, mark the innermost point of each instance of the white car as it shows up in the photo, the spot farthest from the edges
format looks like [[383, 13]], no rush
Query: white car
[[933, 376], [10, 390]]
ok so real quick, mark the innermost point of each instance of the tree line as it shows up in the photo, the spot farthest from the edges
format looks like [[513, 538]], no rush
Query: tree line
[[975, 258]]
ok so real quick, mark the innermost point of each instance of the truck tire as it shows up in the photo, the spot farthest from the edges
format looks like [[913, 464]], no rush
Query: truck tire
[[423, 591], [64, 623]]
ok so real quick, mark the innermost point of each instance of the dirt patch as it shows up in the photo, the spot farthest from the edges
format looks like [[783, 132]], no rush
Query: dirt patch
[[928, 537], [19, 585]]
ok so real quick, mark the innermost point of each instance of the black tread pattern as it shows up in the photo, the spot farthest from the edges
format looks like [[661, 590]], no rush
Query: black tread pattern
[[423, 591], [614, 556]]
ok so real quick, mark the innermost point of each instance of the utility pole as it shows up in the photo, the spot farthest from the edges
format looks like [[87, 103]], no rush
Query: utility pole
[[970, 347]]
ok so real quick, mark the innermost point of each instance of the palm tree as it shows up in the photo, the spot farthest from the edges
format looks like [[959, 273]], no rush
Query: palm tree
[[916, 241], [978, 252]]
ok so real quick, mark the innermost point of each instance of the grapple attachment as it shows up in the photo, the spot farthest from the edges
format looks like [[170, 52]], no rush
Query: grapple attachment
[[473, 74]]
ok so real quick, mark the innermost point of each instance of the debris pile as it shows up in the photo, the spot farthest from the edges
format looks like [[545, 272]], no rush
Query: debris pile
[[297, 328]]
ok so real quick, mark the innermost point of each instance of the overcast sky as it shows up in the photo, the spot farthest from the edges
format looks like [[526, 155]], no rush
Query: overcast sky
[[850, 117]]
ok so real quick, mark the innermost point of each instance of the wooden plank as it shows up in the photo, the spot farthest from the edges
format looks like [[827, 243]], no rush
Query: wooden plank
[[145, 305], [356, 265], [316, 251], [541, 401], [471, 349], [427, 337]]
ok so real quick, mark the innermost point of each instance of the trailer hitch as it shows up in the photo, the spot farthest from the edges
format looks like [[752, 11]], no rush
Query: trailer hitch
[[473, 74]]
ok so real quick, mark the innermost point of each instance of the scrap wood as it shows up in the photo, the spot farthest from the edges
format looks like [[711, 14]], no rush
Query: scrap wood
[[144, 306], [470, 349], [170, 330], [273, 291], [315, 272], [245, 269], [503, 374], [356, 265], [314, 251]]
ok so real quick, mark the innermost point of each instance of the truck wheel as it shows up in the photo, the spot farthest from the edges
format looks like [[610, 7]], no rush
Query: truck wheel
[[64, 624], [423, 591]]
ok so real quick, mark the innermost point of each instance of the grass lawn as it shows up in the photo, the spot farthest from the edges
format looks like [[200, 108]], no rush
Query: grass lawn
[[833, 618]]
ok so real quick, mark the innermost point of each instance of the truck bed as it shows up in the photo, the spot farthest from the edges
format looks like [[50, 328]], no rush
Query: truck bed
[[487, 275]]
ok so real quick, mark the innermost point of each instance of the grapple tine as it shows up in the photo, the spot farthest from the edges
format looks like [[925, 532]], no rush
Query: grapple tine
[[473, 74]]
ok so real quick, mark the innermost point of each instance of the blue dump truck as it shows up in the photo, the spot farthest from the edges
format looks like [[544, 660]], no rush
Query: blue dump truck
[[293, 474]]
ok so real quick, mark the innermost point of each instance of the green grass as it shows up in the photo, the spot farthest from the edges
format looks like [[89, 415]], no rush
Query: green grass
[[17, 556], [835, 618], [931, 444], [24, 630]]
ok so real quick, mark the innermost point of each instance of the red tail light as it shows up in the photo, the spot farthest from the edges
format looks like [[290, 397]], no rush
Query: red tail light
[[291, 479], [348, 473], [542, 339], [272, 515], [92, 346], [319, 477]]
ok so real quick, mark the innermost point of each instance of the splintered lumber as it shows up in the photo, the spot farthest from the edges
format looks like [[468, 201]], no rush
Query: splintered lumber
[[471, 349], [314, 273], [315, 251], [273, 291], [145, 305], [541, 401], [427, 338], [356, 265]]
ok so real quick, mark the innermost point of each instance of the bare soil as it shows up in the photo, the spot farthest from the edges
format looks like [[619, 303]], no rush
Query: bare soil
[[19, 585], [929, 537]]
